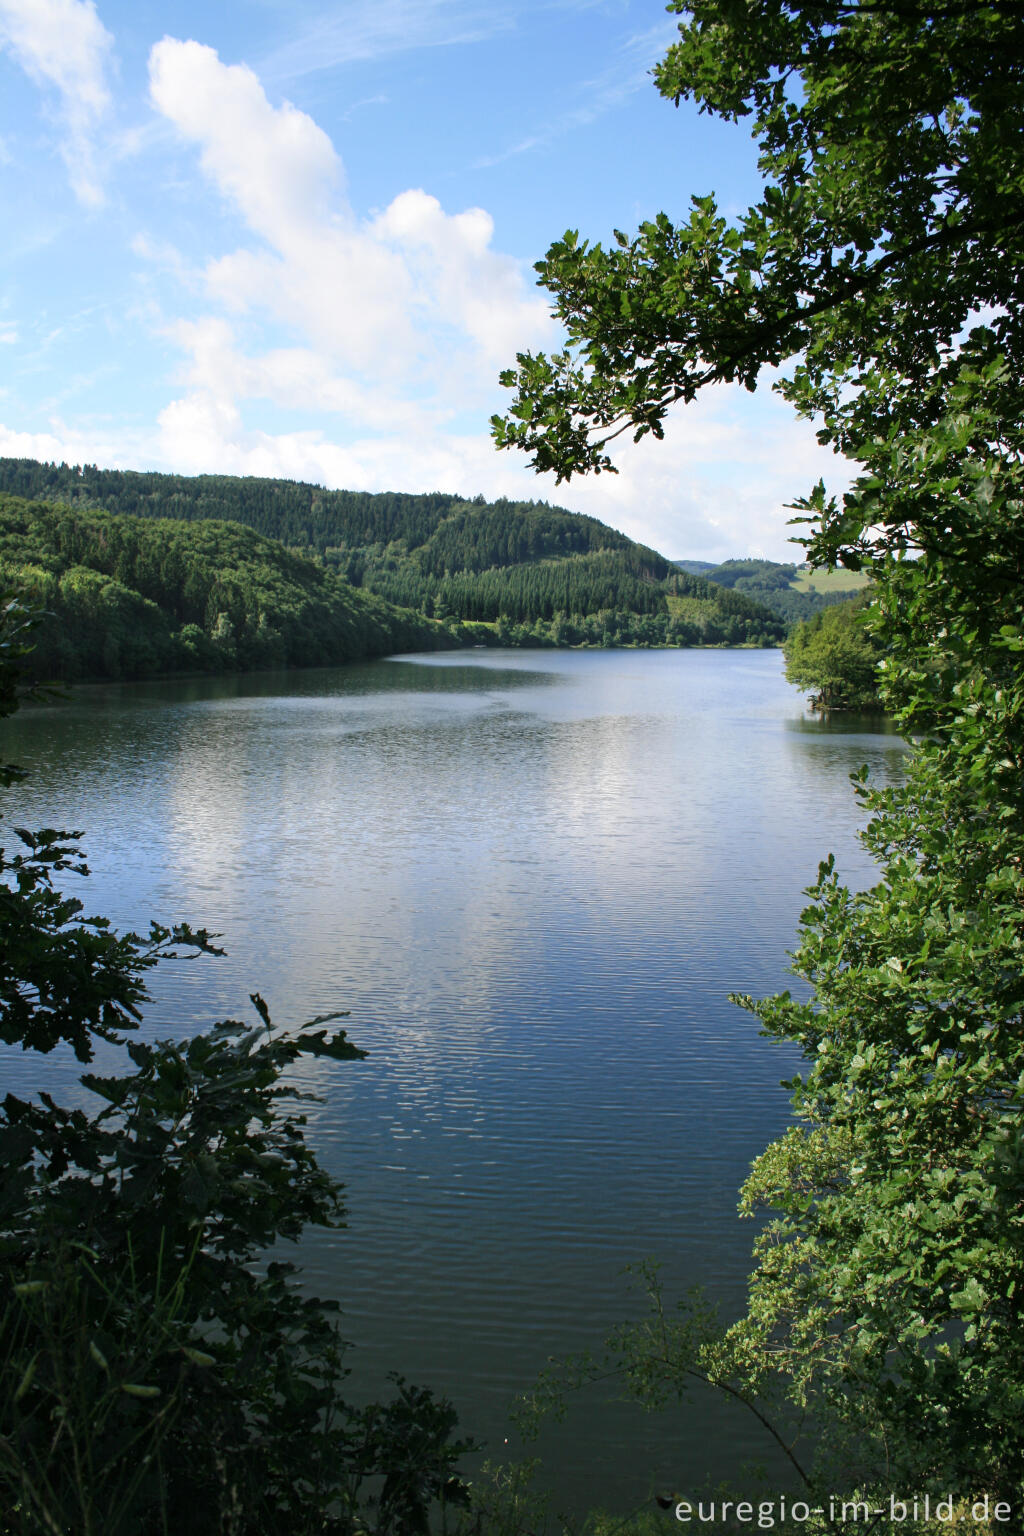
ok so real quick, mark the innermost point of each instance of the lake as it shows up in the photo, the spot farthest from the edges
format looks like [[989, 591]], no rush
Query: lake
[[533, 877]]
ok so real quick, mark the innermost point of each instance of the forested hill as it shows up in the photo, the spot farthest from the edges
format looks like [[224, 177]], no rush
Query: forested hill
[[538, 573], [133, 597], [454, 533]]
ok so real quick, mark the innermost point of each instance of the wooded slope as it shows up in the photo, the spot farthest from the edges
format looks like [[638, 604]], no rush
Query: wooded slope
[[520, 564], [134, 597]]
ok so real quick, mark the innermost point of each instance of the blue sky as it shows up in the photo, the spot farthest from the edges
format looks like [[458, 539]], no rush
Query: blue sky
[[297, 239]]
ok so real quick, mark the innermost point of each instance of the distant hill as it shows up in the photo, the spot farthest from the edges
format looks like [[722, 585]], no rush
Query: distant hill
[[790, 591], [696, 567], [536, 573]]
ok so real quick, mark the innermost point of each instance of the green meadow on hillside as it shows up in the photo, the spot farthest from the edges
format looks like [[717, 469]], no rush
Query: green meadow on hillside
[[829, 582]]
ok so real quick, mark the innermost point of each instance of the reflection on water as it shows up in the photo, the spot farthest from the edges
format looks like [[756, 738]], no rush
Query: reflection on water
[[533, 878]]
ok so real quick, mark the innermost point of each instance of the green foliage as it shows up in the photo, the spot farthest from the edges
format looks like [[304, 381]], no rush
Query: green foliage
[[746, 575], [157, 1371], [896, 1272], [130, 597], [884, 1308], [835, 656], [228, 600], [890, 149]]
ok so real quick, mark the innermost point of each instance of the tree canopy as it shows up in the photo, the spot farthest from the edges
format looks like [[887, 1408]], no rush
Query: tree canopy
[[130, 597], [882, 269], [835, 657], [890, 142]]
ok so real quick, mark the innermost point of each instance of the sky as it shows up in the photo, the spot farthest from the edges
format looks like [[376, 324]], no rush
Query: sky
[[296, 238]]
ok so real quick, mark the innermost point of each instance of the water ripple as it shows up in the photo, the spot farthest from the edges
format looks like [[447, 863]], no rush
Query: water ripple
[[533, 879]]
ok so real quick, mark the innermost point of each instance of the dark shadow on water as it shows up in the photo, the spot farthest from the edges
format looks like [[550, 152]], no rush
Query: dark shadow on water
[[848, 725], [429, 674], [387, 675]]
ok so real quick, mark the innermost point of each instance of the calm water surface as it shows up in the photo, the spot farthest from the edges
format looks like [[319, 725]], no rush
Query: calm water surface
[[533, 878]]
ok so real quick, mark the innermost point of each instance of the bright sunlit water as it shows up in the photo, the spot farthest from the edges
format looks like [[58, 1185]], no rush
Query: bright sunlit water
[[533, 878]]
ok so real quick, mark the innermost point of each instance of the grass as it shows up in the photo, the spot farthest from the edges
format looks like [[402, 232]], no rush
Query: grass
[[828, 581]]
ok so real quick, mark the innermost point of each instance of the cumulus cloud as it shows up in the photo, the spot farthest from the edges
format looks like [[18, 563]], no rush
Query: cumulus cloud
[[63, 44], [199, 430], [74, 445], [294, 378], [273, 162], [390, 296], [457, 276]]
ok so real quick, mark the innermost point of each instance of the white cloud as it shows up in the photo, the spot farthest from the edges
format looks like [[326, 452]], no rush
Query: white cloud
[[411, 306], [457, 276], [63, 44], [273, 162], [720, 484], [199, 433], [293, 378], [73, 445]]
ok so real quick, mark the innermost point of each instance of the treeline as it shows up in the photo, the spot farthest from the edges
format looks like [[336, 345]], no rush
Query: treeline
[[539, 571], [692, 621], [300, 515], [130, 597], [479, 535]]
